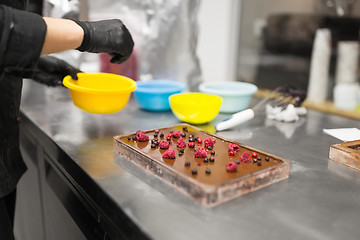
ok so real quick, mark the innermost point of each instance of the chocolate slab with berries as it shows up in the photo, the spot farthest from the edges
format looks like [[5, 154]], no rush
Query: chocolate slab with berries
[[210, 169]]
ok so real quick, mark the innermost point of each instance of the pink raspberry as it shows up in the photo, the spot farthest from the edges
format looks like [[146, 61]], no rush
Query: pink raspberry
[[169, 154], [200, 153], [233, 147], [181, 143], [168, 137], [245, 157], [231, 167], [141, 136], [209, 142], [231, 153], [177, 134], [164, 145]]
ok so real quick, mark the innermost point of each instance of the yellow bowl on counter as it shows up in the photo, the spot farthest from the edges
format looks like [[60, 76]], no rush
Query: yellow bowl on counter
[[100, 93], [195, 108]]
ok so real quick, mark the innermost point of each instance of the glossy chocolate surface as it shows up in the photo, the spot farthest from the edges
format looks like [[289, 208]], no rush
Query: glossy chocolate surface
[[218, 173]]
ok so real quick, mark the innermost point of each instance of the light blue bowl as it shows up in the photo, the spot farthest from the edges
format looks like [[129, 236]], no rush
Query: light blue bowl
[[154, 95], [236, 95]]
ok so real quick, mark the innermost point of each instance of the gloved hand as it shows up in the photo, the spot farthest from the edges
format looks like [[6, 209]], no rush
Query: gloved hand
[[51, 71], [107, 36]]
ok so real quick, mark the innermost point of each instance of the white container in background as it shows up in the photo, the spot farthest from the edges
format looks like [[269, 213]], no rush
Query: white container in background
[[319, 68], [346, 96], [347, 62]]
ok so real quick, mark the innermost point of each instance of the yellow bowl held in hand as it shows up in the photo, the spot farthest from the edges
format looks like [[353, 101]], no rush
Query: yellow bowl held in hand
[[195, 108], [100, 93]]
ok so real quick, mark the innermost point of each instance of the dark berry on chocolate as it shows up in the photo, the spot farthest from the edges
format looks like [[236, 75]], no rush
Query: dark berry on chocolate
[[161, 135], [193, 171], [259, 163], [156, 143], [209, 147], [153, 145], [212, 152], [134, 138], [191, 140], [187, 164], [237, 161], [183, 134], [259, 158], [180, 154], [181, 150], [155, 135], [191, 136], [208, 171], [206, 160], [129, 138], [267, 158], [212, 159], [185, 128], [255, 160]]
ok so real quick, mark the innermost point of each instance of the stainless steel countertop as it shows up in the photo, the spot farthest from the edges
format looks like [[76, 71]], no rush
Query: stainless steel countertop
[[320, 199]]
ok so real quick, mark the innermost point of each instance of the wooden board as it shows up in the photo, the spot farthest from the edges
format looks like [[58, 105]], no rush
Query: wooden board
[[209, 189], [347, 153]]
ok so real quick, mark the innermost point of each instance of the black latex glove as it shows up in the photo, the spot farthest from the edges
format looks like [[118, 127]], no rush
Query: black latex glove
[[107, 36], [51, 71]]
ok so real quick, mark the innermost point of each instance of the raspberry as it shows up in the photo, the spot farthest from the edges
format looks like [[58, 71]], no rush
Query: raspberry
[[177, 134], [168, 137], [164, 144], [181, 143], [170, 154], [191, 144], [209, 142], [231, 167], [233, 147], [245, 157], [141, 136], [200, 153], [199, 140], [231, 153]]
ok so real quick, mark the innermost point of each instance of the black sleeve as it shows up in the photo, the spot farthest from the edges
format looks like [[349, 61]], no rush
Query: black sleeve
[[21, 40]]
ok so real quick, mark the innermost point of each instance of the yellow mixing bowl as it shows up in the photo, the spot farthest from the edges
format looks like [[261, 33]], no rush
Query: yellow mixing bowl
[[195, 108], [100, 93]]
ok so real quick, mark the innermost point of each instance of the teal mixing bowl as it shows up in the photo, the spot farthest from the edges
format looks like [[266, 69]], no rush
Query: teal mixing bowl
[[154, 95], [236, 95]]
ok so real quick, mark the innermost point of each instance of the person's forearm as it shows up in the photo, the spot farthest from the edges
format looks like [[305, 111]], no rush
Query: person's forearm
[[61, 35]]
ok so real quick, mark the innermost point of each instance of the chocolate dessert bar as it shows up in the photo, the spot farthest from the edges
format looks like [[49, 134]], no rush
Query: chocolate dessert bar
[[210, 169]]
